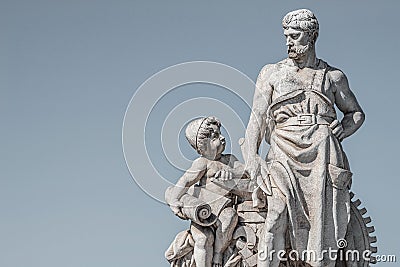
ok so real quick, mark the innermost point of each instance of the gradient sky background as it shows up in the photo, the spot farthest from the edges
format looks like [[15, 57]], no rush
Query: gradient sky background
[[69, 69]]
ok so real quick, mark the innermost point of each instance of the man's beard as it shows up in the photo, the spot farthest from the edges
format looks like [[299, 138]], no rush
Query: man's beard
[[296, 52]]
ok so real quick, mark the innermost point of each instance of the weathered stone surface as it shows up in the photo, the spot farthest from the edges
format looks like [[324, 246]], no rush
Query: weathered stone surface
[[295, 200]]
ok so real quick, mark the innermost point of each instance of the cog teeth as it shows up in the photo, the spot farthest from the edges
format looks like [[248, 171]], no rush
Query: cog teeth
[[363, 211], [371, 229], [372, 239], [357, 203], [367, 220], [368, 230]]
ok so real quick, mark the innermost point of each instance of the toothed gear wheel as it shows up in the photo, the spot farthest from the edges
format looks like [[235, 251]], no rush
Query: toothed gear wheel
[[360, 233]]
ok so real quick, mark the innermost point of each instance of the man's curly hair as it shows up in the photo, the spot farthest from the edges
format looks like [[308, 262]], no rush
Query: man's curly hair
[[302, 19]]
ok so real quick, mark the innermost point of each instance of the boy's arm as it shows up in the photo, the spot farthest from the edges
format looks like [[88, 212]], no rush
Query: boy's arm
[[191, 176], [236, 167], [238, 182], [239, 170]]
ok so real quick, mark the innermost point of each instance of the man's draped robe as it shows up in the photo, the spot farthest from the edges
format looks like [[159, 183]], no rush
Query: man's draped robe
[[308, 165]]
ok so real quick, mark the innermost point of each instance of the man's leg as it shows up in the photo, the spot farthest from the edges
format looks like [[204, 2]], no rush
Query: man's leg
[[272, 239]]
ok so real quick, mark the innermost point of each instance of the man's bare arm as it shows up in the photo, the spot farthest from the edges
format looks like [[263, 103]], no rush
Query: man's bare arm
[[257, 123], [346, 103]]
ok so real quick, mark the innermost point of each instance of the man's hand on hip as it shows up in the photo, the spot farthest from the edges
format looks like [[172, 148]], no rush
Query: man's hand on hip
[[337, 129]]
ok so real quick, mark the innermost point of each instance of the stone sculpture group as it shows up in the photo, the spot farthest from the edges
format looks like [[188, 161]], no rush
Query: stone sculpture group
[[293, 208]]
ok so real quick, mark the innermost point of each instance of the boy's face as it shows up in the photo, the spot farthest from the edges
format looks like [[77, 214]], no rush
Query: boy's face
[[215, 144]]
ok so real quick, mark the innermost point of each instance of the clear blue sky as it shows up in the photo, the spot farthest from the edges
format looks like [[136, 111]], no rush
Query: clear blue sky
[[68, 70]]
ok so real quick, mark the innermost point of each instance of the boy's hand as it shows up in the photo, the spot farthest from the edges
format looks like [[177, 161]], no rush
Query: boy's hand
[[223, 175], [176, 208]]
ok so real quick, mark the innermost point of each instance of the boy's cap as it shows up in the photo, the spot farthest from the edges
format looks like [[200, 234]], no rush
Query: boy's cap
[[192, 131]]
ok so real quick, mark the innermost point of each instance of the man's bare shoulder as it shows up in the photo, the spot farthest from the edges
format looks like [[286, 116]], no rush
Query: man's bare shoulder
[[272, 68], [335, 75], [265, 70]]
